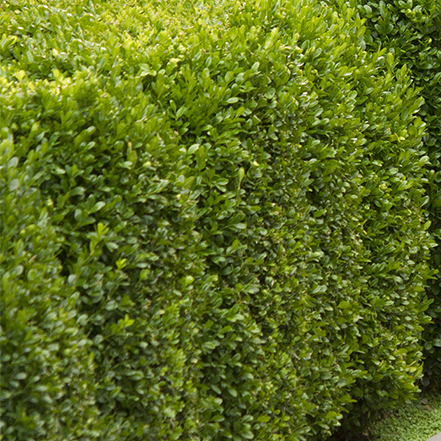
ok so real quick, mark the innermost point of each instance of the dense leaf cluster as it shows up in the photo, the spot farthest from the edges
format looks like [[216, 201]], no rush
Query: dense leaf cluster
[[411, 31], [223, 205]]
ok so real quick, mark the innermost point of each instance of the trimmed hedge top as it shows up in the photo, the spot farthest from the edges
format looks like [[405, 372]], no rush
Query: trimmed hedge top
[[233, 214]]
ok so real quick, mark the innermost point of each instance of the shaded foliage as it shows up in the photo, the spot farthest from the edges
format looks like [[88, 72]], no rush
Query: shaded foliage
[[411, 31]]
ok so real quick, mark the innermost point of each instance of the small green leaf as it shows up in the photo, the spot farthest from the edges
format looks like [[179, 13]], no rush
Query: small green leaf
[[344, 304], [326, 376], [263, 419], [97, 207], [14, 184], [241, 174], [232, 391], [342, 382], [232, 100], [193, 148], [20, 75], [111, 305]]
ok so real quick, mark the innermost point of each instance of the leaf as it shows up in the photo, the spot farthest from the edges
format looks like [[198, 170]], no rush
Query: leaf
[[20, 75], [128, 321], [14, 184], [241, 174], [194, 148], [98, 206], [181, 111], [344, 304], [332, 415], [390, 59], [264, 419], [111, 305], [240, 226], [226, 329], [232, 391], [342, 382], [78, 215], [319, 289], [216, 389]]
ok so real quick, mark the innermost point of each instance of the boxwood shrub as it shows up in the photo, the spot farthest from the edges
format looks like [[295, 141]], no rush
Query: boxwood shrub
[[46, 372], [233, 198], [411, 31]]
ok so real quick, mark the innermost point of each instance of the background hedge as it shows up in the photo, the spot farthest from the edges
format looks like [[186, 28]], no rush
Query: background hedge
[[234, 217]]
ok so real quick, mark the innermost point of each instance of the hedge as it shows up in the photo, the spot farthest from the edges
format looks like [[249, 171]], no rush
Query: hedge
[[46, 381], [411, 31], [236, 196]]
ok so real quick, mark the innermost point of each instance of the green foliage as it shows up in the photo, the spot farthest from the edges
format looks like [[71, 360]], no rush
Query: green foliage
[[410, 30], [236, 196], [46, 382]]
